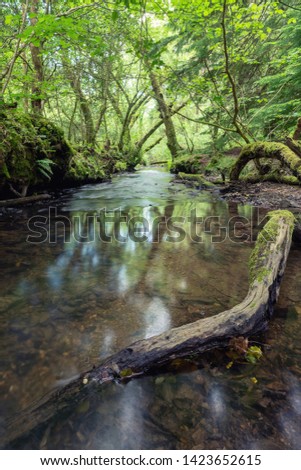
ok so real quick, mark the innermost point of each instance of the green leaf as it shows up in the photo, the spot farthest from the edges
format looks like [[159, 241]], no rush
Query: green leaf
[[253, 354], [126, 373], [44, 167], [115, 15], [9, 19]]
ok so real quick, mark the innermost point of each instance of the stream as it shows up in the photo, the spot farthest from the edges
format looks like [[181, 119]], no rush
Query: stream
[[113, 263]]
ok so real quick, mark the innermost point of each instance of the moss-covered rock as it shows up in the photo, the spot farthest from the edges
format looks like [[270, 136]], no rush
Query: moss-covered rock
[[25, 142], [35, 153], [190, 164], [90, 165], [203, 164]]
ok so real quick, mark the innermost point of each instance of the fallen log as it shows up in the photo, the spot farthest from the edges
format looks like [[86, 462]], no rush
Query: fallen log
[[272, 178], [24, 200], [161, 162], [274, 150], [297, 229], [266, 268], [200, 180]]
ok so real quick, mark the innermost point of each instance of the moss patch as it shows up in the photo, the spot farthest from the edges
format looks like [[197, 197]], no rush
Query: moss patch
[[26, 139], [272, 177], [190, 164], [86, 167], [274, 150], [268, 235]]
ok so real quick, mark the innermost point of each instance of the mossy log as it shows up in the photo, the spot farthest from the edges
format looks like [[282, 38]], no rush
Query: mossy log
[[161, 162], [297, 229], [24, 200], [274, 150], [199, 179], [271, 177], [267, 265]]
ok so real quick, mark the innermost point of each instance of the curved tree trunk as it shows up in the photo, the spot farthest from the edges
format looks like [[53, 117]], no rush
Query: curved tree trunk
[[267, 266], [166, 115], [274, 150]]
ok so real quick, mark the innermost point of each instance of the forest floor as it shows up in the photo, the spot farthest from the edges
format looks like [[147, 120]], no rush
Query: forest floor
[[268, 195], [264, 194]]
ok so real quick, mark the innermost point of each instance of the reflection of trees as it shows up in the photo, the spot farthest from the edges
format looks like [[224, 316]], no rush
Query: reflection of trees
[[85, 300]]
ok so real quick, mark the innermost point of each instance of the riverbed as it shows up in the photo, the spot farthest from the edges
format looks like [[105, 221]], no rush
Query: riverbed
[[113, 263]]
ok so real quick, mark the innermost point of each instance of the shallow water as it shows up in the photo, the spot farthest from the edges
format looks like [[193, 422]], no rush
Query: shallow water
[[80, 296]]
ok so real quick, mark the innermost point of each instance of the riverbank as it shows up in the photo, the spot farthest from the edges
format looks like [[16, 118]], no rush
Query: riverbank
[[266, 195]]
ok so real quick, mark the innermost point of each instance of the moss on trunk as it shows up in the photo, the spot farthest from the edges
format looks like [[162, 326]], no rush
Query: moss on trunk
[[274, 150]]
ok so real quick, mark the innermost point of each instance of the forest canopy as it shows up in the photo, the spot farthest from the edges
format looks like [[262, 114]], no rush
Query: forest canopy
[[138, 78]]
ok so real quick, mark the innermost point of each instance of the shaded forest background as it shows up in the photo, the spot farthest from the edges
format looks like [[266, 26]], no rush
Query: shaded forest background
[[92, 88]]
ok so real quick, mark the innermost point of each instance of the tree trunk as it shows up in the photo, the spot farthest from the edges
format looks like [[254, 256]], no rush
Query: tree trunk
[[166, 115], [267, 265], [144, 139], [36, 101], [297, 132], [85, 110], [157, 142], [73, 76], [274, 150], [294, 145]]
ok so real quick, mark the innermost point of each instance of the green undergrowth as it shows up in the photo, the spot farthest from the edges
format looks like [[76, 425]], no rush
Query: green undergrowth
[[83, 167], [34, 153], [94, 164], [203, 164]]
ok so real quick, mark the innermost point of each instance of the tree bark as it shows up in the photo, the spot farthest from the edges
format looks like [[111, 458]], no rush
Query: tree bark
[[294, 145], [166, 115], [89, 134], [267, 266], [274, 150], [36, 101], [297, 132], [73, 75], [144, 139]]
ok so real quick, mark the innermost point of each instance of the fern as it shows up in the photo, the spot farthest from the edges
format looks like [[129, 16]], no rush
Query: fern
[[45, 167]]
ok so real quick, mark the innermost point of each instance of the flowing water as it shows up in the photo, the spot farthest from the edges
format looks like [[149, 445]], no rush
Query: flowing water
[[117, 262]]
